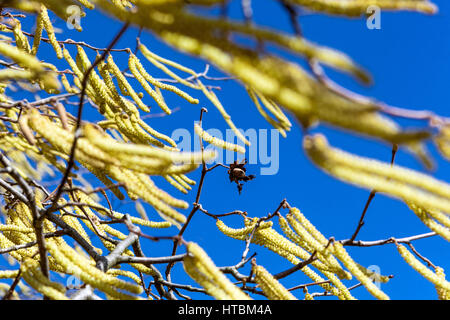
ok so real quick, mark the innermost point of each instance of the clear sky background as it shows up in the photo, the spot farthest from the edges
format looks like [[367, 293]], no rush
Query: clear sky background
[[409, 59]]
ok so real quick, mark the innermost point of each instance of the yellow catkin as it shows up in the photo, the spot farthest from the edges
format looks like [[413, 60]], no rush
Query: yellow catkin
[[62, 115], [101, 175], [156, 61], [16, 228], [343, 293], [75, 223], [276, 111], [308, 226], [270, 239], [134, 131], [240, 233], [308, 296], [304, 234], [348, 262], [175, 183], [83, 269], [62, 140], [157, 97], [270, 286], [440, 217], [37, 33], [157, 134], [396, 181], [141, 70], [7, 274], [107, 144], [268, 118], [294, 237], [135, 187], [18, 255], [67, 86], [114, 232], [434, 278], [120, 101], [181, 181], [160, 194], [72, 64], [114, 69], [428, 220], [216, 141], [128, 274], [91, 221], [359, 7], [204, 280], [23, 222], [50, 32], [374, 275], [205, 268], [21, 40], [35, 68], [312, 244], [276, 242], [442, 293], [316, 240], [151, 224], [34, 277], [87, 4], [187, 180], [101, 90]]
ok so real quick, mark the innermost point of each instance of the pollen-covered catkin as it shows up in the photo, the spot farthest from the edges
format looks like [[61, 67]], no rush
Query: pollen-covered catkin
[[125, 273], [151, 224], [348, 262], [176, 184], [216, 141], [270, 286], [442, 293], [399, 182], [6, 274], [50, 31], [37, 33], [108, 144], [359, 7], [240, 233], [139, 68], [281, 125], [201, 268], [434, 278], [299, 235], [123, 83], [35, 69], [36, 279], [157, 97], [83, 268], [21, 40], [429, 217], [269, 238], [160, 62]]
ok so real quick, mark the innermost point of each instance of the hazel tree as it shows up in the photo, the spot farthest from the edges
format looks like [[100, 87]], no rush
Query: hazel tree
[[71, 228]]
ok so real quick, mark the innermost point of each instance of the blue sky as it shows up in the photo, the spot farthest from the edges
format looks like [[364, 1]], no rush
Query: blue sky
[[409, 61]]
